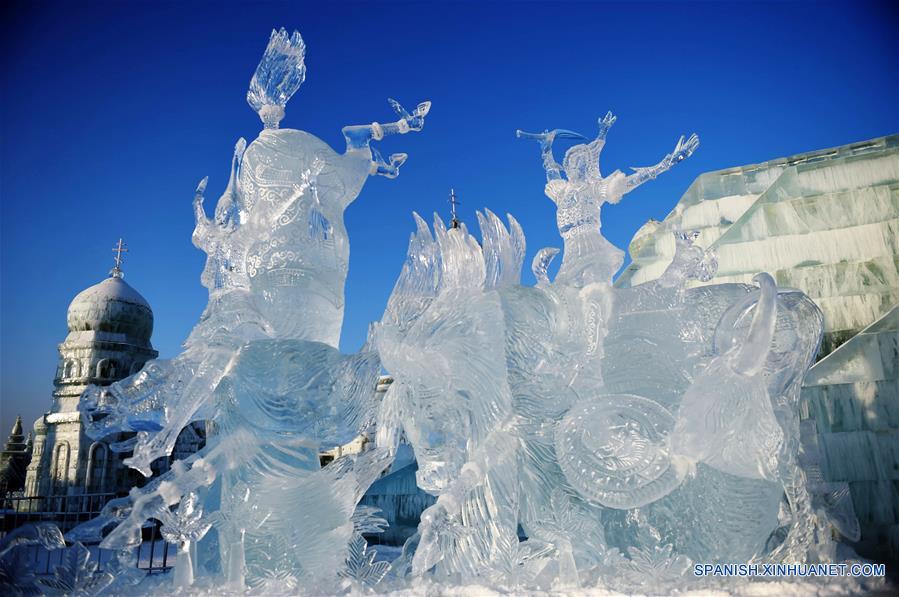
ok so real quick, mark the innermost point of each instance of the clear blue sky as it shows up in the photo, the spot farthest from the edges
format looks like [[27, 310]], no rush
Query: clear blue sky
[[111, 113]]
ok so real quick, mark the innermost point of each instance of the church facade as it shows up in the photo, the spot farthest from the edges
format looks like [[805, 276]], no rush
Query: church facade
[[109, 329]]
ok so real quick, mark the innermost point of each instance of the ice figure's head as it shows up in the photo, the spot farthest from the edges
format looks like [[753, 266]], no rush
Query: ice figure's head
[[581, 162]]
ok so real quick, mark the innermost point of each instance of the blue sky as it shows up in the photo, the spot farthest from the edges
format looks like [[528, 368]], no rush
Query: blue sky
[[111, 113]]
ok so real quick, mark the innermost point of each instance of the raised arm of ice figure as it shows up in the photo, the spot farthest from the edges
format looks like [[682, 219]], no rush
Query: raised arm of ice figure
[[359, 137], [201, 232], [546, 139], [682, 151], [605, 123]]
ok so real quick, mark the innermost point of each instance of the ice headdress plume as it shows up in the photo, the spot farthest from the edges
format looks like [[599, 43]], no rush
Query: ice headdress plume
[[280, 73]]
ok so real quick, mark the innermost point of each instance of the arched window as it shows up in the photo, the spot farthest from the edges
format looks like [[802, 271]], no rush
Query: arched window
[[107, 368], [71, 369], [59, 478], [96, 467]]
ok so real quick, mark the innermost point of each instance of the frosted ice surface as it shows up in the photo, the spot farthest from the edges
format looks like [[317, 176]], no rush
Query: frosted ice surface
[[571, 434], [262, 364], [621, 431]]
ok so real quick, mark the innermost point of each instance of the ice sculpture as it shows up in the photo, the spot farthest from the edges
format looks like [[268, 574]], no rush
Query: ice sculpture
[[262, 365], [627, 433], [574, 434]]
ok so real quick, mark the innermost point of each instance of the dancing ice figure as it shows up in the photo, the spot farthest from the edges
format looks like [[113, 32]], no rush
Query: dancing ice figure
[[262, 363], [579, 191], [627, 432]]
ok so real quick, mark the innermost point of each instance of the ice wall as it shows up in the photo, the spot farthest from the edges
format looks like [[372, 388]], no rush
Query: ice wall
[[853, 397]]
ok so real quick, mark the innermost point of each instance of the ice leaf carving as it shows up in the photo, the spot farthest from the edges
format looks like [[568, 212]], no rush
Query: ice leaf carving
[[503, 249], [368, 519], [187, 523], [651, 567], [361, 565]]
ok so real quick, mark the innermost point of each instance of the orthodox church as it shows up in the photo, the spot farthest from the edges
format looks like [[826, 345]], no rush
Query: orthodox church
[[109, 329]]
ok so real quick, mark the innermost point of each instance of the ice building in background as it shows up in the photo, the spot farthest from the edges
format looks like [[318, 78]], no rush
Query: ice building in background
[[853, 397], [825, 222]]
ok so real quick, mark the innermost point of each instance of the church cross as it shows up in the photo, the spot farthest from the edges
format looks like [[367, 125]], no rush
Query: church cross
[[454, 222], [118, 250]]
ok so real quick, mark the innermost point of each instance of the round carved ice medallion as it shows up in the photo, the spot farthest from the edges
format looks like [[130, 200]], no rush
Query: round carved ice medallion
[[613, 450]]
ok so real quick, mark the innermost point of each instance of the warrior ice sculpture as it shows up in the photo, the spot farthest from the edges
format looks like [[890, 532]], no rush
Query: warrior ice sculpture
[[628, 432], [580, 194], [262, 364]]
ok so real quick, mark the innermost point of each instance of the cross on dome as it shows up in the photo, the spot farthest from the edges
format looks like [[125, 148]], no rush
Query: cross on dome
[[454, 222], [116, 272]]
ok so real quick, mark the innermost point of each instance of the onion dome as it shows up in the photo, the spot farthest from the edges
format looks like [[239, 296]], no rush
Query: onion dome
[[111, 306]]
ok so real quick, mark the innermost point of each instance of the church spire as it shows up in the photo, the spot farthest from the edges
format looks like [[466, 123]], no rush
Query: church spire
[[14, 460], [116, 271]]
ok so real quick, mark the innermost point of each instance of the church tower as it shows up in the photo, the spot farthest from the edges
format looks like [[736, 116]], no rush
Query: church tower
[[109, 325], [14, 460]]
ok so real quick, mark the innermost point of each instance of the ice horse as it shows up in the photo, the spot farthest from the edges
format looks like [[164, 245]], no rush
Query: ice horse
[[581, 435], [262, 365]]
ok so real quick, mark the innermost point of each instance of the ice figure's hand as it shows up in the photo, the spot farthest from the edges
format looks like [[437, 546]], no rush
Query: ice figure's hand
[[546, 139], [386, 169], [683, 149], [605, 123], [359, 137], [198, 199], [414, 121]]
